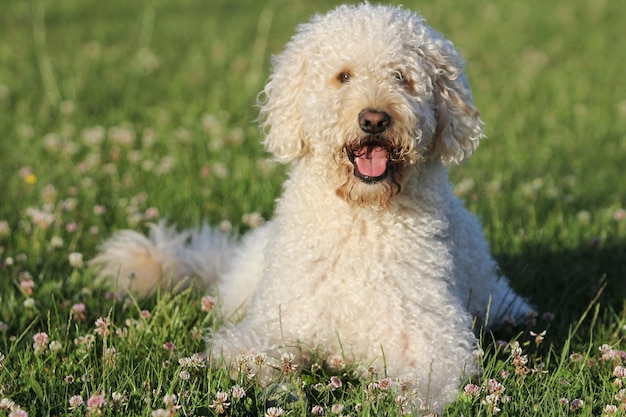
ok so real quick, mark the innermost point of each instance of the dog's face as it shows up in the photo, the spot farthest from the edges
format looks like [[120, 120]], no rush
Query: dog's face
[[370, 91]]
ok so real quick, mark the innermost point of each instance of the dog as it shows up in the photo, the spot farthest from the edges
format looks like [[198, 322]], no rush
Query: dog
[[370, 256]]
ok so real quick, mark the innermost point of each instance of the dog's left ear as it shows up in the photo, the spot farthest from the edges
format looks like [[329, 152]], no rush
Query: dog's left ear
[[459, 128], [280, 114]]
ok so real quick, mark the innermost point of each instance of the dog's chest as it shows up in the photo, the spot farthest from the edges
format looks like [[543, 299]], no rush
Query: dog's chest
[[341, 254]]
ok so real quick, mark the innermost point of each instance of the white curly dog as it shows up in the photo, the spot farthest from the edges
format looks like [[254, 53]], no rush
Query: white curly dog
[[370, 256]]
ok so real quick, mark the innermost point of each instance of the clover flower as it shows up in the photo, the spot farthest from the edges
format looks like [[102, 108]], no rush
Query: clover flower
[[471, 390], [576, 357], [220, 403], [492, 401], [170, 399], [317, 410], [619, 372], [195, 361], [335, 383], [253, 220], [237, 392], [495, 387], [18, 412], [403, 403], [40, 342], [56, 242], [102, 326], [576, 404], [496, 396], [55, 346], [171, 402], [99, 210], [610, 410], [6, 404], [95, 404], [288, 366], [607, 352], [260, 359], [519, 360], [76, 259], [78, 312], [122, 135], [110, 356], [385, 384], [76, 401], [117, 399], [538, 336], [4, 228], [208, 303], [336, 362], [478, 354], [27, 284], [85, 343], [274, 412]]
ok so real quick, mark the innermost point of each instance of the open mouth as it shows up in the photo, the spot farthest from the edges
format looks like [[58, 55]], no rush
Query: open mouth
[[371, 162]]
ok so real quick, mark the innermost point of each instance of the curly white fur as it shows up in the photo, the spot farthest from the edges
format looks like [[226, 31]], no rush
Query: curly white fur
[[370, 255]]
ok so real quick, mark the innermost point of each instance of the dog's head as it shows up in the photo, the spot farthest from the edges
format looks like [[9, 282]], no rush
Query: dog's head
[[373, 91]]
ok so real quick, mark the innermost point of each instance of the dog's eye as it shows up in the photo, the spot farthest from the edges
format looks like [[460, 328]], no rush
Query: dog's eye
[[344, 77], [400, 77]]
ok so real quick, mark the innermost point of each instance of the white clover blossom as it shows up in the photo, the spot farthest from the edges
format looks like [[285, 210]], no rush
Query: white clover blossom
[[208, 303], [40, 342], [471, 389], [220, 403], [6, 404], [335, 383], [274, 412], [237, 392], [76, 401], [55, 346], [317, 410], [170, 399], [76, 259]]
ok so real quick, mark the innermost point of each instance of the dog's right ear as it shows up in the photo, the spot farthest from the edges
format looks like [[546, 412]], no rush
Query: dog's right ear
[[280, 115], [459, 128]]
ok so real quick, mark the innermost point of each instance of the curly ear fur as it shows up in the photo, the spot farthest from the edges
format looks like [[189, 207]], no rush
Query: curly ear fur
[[280, 115], [459, 128]]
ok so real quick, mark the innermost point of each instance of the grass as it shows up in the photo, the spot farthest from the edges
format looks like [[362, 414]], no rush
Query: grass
[[115, 113]]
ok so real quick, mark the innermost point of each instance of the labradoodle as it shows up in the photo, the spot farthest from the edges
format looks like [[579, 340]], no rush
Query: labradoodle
[[370, 256]]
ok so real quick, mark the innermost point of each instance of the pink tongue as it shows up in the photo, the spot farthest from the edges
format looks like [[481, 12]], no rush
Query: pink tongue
[[371, 162]]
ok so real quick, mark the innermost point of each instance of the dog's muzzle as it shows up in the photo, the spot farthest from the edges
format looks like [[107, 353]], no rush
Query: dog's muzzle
[[371, 155]]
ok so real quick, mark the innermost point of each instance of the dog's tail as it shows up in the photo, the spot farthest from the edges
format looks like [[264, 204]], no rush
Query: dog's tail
[[165, 258]]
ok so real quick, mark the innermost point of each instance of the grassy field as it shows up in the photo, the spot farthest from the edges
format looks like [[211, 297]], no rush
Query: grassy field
[[114, 114]]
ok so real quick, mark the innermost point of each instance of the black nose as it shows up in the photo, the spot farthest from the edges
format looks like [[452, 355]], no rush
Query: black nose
[[374, 121]]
